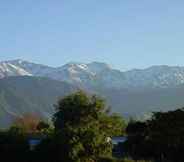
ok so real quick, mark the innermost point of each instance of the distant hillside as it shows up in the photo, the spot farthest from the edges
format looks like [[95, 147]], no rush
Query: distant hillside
[[141, 102], [19, 95]]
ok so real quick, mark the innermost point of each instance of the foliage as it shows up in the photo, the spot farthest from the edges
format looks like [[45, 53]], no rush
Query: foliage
[[15, 130], [83, 125], [42, 125], [28, 122], [160, 138], [114, 125], [13, 145]]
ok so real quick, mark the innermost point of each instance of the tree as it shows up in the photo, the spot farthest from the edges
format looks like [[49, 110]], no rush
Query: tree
[[166, 134], [161, 138], [113, 124], [28, 122], [135, 146], [79, 124], [13, 145], [42, 125]]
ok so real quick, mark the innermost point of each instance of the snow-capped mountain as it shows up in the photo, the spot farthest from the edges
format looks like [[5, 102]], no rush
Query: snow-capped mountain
[[32, 68], [88, 75], [9, 69], [131, 93], [95, 74], [156, 76]]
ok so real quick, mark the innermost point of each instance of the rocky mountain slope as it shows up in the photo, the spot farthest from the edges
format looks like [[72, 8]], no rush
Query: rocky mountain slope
[[95, 75]]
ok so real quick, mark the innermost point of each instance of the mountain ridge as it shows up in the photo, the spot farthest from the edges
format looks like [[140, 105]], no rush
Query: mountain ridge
[[97, 74]]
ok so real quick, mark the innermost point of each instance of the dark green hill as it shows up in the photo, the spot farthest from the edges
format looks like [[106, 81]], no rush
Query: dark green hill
[[20, 95]]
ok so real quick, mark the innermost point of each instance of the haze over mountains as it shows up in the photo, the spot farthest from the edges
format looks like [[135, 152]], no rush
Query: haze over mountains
[[28, 87]]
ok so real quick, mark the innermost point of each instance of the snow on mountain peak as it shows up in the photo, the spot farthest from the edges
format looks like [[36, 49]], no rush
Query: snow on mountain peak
[[75, 66], [92, 68], [8, 69], [97, 74]]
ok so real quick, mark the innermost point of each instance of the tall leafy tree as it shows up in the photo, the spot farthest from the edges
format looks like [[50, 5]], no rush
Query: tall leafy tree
[[83, 124]]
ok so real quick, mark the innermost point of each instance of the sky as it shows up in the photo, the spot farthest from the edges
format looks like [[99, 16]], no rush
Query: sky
[[123, 33]]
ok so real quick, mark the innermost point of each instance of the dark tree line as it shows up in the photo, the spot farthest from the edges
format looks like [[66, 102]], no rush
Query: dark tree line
[[161, 138]]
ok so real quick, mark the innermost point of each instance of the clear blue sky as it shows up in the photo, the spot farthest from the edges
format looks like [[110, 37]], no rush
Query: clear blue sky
[[124, 33]]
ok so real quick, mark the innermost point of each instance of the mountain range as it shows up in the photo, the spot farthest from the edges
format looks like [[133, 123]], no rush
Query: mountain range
[[97, 74], [27, 87]]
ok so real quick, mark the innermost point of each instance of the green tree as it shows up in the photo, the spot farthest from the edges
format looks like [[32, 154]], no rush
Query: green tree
[[13, 145], [166, 134], [82, 124], [113, 124], [42, 125], [161, 138]]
